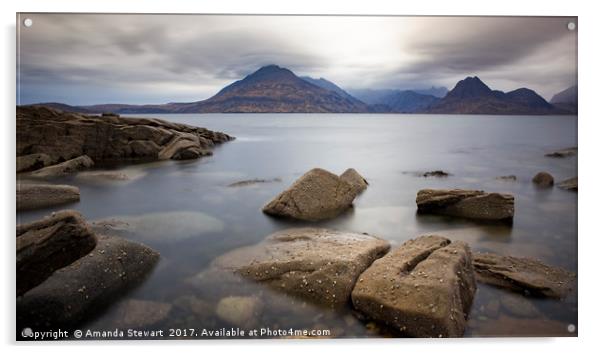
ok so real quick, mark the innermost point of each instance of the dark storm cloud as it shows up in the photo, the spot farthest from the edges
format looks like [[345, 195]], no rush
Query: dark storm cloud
[[528, 51], [113, 51], [159, 58], [482, 43]]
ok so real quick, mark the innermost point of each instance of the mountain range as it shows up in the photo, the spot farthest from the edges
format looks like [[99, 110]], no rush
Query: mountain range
[[273, 89], [471, 96]]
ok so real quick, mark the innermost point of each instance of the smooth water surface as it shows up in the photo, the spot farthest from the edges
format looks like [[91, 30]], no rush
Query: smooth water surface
[[186, 211]]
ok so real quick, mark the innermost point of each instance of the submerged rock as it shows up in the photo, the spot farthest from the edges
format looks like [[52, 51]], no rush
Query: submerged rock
[[100, 177], [317, 195], [63, 136], [492, 309], [424, 288], [197, 306], [569, 184], [32, 162], [352, 177], [510, 326], [77, 291], [519, 306], [135, 313], [320, 265], [250, 182], [543, 180], [36, 196], [436, 173], [241, 311], [509, 178], [523, 275], [166, 227], [49, 244], [563, 153], [65, 168], [466, 203]]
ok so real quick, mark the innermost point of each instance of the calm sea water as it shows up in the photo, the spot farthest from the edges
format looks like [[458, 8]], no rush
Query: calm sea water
[[187, 212]]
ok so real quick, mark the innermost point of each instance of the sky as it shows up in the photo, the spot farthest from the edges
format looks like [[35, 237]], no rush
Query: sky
[[83, 59]]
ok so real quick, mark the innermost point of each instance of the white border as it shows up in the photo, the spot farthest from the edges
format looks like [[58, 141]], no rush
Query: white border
[[589, 146]]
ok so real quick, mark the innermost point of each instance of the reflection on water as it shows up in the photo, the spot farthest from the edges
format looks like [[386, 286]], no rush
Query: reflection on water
[[187, 212]]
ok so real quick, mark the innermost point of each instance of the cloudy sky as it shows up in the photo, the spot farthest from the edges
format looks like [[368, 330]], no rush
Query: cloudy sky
[[88, 59]]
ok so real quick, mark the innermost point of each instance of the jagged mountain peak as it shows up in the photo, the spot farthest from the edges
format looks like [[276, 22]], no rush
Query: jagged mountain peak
[[469, 87]]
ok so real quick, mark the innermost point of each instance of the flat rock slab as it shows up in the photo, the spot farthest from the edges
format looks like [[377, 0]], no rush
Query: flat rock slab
[[77, 291], [523, 275], [65, 168], [319, 265], [570, 184], [37, 196], [49, 244], [470, 204], [424, 288], [317, 195]]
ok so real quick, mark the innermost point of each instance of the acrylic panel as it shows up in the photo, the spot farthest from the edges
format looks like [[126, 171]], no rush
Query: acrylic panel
[[285, 176]]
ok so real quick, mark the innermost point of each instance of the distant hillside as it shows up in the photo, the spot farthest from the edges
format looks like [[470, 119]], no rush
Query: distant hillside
[[396, 101], [566, 99], [438, 92], [472, 96], [325, 84], [65, 107], [371, 96], [408, 101]]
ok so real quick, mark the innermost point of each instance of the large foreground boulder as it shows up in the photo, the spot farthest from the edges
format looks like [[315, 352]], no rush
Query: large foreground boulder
[[49, 244], [320, 265], [523, 275], [36, 196], [65, 168], [64, 136], [471, 204], [80, 289], [317, 195], [424, 288]]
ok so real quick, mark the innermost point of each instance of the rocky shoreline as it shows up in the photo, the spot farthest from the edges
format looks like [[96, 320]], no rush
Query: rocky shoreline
[[66, 270], [52, 143]]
